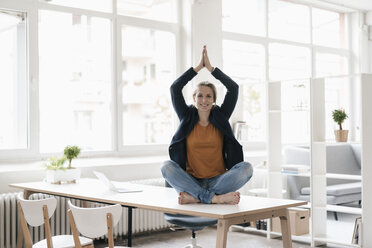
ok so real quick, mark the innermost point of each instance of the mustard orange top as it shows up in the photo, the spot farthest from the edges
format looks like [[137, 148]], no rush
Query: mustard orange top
[[204, 152]]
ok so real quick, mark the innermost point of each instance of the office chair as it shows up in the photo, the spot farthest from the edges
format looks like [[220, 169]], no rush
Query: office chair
[[38, 212], [193, 223]]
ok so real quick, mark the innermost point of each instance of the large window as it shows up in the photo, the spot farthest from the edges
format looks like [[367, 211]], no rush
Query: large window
[[75, 81], [297, 43], [148, 61], [13, 81]]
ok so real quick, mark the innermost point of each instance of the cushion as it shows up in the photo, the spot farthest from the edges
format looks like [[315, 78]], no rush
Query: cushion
[[341, 159], [338, 189]]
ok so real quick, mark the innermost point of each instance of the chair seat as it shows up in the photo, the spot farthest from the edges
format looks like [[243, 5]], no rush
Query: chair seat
[[63, 241], [194, 223]]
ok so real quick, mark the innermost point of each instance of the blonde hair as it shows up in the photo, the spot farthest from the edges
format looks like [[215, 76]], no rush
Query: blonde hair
[[206, 84]]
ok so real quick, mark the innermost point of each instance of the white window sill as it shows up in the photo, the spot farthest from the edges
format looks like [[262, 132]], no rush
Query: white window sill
[[84, 163]]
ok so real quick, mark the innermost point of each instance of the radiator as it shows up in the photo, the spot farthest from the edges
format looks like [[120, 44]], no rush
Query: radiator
[[143, 220]]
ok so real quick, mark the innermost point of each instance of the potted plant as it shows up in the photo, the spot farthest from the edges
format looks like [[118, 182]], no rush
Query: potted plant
[[339, 116], [57, 172], [71, 152]]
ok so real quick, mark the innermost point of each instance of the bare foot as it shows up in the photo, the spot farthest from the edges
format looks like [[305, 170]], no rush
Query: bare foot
[[228, 198], [186, 198]]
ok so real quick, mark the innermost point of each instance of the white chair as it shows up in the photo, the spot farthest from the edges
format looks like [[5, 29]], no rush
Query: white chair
[[38, 212], [94, 222]]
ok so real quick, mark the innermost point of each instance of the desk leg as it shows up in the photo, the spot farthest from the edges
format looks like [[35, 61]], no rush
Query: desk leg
[[286, 230], [222, 229], [130, 214]]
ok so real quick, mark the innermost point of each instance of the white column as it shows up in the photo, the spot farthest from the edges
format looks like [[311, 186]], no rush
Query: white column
[[318, 161], [206, 30], [366, 155]]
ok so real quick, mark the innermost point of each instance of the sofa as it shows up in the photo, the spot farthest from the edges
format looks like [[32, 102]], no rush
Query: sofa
[[342, 158]]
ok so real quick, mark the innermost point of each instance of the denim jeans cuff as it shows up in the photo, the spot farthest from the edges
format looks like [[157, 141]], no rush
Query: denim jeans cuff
[[206, 196]]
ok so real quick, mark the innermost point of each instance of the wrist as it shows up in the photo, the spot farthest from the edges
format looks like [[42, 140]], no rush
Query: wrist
[[197, 68], [211, 69]]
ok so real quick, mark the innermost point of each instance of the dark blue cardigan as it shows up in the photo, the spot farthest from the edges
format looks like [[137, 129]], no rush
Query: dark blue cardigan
[[219, 117]]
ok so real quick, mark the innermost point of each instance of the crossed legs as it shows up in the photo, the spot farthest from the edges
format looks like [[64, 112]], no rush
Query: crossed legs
[[219, 189]]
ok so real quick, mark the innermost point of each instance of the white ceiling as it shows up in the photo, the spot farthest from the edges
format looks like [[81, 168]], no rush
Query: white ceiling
[[364, 5]]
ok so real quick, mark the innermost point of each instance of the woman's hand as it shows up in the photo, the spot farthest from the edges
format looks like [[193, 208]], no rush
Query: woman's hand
[[201, 63], [207, 63]]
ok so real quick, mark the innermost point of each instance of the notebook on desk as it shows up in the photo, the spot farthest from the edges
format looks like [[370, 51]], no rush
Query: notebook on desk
[[111, 186]]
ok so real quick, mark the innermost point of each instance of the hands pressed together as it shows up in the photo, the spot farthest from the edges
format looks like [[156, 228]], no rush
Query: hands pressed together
[[204, 61]]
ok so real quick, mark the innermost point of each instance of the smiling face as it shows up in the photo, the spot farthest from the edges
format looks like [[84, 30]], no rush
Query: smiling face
[[204, 98]]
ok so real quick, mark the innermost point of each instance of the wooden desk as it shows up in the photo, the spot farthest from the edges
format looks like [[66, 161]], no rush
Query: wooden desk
[[165, 200]]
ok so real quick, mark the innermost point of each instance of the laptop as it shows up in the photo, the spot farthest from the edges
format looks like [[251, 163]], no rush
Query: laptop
[[111, 186]]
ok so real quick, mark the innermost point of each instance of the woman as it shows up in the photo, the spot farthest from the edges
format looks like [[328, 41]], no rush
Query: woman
[[206, 160]]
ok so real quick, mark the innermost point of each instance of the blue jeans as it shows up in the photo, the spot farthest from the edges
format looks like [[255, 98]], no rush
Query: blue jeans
[[205, 189]]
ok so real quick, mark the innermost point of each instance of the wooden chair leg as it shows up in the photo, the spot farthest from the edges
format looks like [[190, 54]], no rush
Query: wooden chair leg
[[109, 230], [48, 233], [74, 230], [26, 232]]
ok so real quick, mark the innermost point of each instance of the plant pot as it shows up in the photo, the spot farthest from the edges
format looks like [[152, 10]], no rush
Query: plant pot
[[341, 135], [63, 176]]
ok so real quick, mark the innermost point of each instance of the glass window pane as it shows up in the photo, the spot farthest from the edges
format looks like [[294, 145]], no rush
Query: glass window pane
[[288, 62], [244, 16], [148, 59], [165, 10], [295, 111], [330, 64], [289, 21], [13, 81], [245, 63], [244, 60], [254, 113], [328, 28], [97, 5], [75, 81]]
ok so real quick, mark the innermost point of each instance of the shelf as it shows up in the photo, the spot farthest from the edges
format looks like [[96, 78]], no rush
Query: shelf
[[338, 232], [344, 209], [335, 240], [344, 176], [328, 175], [295, 174]]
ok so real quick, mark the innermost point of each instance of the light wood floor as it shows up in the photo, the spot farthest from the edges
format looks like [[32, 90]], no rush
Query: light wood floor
[[206, 239]]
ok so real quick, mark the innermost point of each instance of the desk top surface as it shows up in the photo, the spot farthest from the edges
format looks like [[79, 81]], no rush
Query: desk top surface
[[156, 198]]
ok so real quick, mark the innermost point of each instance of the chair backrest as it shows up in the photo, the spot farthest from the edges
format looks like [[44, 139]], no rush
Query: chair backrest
[[92, 222], [33, 209]]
